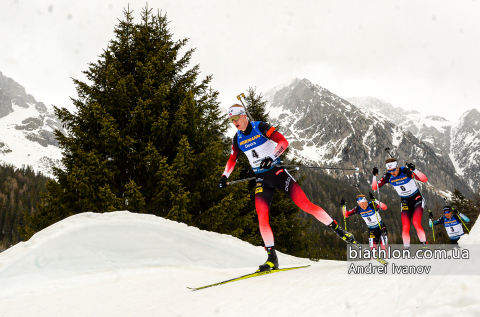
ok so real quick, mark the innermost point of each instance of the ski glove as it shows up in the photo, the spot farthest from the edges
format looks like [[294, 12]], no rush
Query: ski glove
[[411, 166], [375, 171], [430, 223], [222, 183], [371, 196], [266, 162], [342, 202]]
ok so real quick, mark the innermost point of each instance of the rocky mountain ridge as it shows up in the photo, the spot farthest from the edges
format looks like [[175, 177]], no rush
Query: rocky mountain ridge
[[27, 129], [325, 129]]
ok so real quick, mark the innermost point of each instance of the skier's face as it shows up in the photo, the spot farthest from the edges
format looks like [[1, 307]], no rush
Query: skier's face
[[363, 205], [395, 172], [241, 123], [449, 215]]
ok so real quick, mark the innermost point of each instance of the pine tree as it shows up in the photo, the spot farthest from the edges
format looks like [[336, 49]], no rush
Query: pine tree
[[146, 136]]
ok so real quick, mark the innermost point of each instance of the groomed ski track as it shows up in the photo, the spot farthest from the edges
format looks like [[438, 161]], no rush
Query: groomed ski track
[[125, 264]]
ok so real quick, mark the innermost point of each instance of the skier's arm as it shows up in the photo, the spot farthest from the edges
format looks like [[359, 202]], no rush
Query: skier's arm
[[465, 218], [232, 160], [411, 172], [438, 221], [381, 205], [282, 144], [376, 184], [276, 137], [350, 212]]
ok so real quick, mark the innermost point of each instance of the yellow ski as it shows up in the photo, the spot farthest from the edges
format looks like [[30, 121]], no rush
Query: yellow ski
[[249, 276]]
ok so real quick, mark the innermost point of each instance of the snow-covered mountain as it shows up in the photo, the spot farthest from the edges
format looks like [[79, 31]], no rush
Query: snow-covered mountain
[[27, 129], [465, 147], [326, 129], [124, 264], [456, 143]]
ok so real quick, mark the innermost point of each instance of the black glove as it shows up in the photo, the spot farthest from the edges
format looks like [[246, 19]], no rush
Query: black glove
[[222, 183], [430, 214], [371, 196], [455, 211], [411, 166], [375, 171], [266, 162], [342, 202]]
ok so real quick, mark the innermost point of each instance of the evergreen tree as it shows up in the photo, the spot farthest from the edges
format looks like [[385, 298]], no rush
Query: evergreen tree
[[146, 137], [20, 190]]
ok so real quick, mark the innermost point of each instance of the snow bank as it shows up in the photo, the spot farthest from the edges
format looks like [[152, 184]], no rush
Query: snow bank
[[124, 264], [90, 243]]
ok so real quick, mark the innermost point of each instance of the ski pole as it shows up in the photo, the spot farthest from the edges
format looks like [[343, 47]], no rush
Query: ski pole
[[430, 215], [376, 214], [387, 149], [319, 167], [248, 113], [459, 217], [241, 181], [464, 224]]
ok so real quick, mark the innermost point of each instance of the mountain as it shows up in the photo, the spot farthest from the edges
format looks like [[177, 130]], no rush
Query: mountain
[[455, 143], [27, 129], [124, 264], [465, 147], [325, 129]]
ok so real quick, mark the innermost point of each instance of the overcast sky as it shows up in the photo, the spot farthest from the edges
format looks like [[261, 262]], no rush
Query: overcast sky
[[422, 55]]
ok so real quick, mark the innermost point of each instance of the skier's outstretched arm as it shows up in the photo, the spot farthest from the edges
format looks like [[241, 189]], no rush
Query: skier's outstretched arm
[[232, 160], [419, 176], [350, 212], [377, 184], [382, 205]]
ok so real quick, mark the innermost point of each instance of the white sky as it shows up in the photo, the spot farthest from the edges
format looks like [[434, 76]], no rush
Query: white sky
[[422, 55]]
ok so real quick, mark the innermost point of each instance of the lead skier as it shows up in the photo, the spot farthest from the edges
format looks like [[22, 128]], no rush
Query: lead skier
[[263, 145], [402, 179]]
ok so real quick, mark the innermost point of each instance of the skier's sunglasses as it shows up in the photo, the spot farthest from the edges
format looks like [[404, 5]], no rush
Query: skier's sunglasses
[[234, 118]]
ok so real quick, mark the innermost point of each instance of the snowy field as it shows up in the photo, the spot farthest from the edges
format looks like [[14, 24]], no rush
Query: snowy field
[[124, 264]]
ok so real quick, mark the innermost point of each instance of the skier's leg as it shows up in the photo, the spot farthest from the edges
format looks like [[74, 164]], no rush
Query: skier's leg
[[417, 222], [384, 236], [372, 241], [406, 216], [290, 187], [263, 199]]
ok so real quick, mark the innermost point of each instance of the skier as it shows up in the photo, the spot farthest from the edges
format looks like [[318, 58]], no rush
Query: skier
[[371, 215], [257, 140], [402, 179], [452, 222]]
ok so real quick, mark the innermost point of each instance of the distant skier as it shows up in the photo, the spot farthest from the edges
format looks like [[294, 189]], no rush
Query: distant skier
[[371, 215], [402, 179], [452, 220], [257, 140]]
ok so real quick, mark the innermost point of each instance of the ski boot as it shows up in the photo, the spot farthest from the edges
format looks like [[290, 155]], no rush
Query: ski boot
[[272, 261], [344, 235]]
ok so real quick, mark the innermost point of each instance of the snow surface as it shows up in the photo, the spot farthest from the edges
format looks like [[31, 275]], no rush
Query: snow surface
[[125, 264]]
